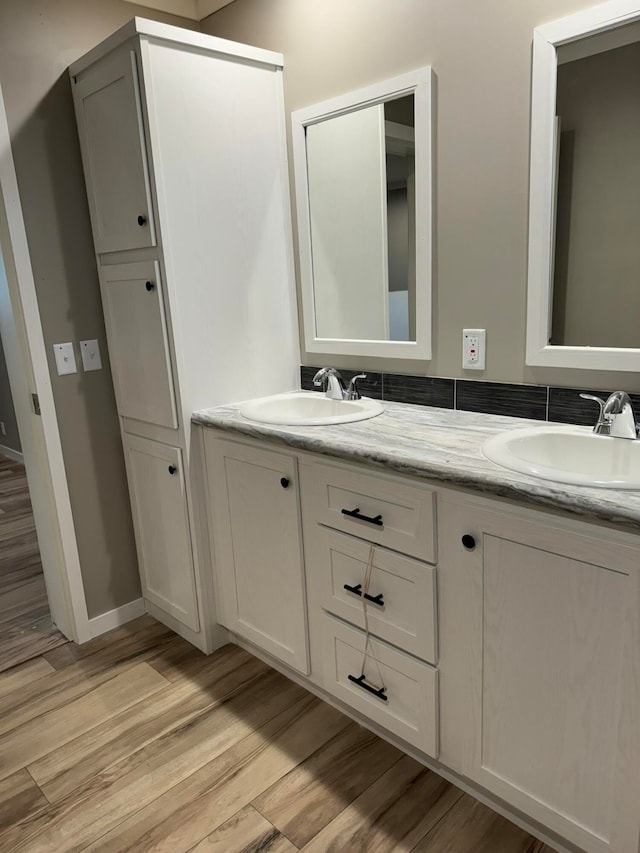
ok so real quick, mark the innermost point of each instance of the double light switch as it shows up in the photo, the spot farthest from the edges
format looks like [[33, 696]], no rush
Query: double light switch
[[66, 358]]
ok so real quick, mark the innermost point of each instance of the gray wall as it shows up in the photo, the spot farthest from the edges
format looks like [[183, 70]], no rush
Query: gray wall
[[481, 54], [11, 438], [38, 41], [7, 412]]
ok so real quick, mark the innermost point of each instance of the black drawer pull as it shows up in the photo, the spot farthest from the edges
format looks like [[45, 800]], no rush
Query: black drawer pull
[[355, 513], [284, 482], [469, 542], [142, 220], [380, 693], [172, 469], [149, 285], [357, 590]]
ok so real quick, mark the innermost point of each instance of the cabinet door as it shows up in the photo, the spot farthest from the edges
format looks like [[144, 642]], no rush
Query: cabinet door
[[161, 521], [538, 657], [255, 527], [138, 345], [111, 134]]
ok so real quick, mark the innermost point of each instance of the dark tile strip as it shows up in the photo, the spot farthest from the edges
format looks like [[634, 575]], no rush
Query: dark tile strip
[[495, 398], [539, 402], [422, 390]]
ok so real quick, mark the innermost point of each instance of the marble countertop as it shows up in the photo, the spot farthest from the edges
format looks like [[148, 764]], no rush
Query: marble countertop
[[437, 444]]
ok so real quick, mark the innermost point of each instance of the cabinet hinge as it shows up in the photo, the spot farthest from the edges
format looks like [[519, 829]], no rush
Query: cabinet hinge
[[36, 404]]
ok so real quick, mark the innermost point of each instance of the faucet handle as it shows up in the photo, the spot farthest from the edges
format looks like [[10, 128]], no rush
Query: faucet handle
[[595, 399], [352, 391], [602, 424]]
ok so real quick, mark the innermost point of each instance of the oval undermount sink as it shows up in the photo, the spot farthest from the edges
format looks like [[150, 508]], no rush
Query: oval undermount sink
[[309, 408], [568, 455]]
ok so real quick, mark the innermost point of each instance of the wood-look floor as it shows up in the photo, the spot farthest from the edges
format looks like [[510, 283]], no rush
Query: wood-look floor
[[26, 630], [138, 742]]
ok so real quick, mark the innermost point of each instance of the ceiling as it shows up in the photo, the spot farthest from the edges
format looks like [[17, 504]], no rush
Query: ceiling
[[194, 9]]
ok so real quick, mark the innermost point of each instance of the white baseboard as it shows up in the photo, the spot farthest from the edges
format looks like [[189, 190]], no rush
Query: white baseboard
[[114, 618], [12, 454]]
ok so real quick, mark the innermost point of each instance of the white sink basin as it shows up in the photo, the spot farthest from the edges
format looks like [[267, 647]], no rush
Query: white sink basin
[[568, 455], [308, 408]]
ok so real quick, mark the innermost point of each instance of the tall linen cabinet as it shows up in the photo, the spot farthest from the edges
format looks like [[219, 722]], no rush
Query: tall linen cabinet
[[184, 154]]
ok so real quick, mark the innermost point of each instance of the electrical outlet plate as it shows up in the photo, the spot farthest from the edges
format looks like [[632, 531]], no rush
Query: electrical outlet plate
[[90, 355], [65, 358], [473, 349]]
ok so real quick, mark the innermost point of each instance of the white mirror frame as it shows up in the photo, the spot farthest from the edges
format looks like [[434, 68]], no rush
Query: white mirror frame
[[419, 83], [542, 186]]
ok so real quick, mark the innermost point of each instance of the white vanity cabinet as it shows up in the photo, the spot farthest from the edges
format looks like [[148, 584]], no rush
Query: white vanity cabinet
[[255, 530], [540, 648], [183, 147], [504, 641]]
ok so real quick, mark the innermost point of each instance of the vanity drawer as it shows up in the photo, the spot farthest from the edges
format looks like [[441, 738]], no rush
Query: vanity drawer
[[401, 607], [380, 509], [408, 706]]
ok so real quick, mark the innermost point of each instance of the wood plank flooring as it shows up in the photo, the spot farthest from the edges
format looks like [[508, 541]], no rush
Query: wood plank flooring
[[138, 742], [26, 630]]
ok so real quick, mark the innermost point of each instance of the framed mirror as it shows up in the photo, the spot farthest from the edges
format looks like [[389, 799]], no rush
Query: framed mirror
[[584, 193], [363, 191]]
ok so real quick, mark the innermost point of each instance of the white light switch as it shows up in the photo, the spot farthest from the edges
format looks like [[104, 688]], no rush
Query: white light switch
[[90, 355], [65, 358], [473, 349]]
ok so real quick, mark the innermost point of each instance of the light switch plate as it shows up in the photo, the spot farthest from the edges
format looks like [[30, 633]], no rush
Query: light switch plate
[[65, 358], [90, 355]]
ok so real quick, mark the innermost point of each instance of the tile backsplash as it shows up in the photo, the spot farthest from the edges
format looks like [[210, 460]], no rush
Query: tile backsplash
[[538, 402]]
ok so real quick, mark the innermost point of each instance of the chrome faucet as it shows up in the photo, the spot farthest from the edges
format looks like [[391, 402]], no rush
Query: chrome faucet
[[616, 416], [334, 384]]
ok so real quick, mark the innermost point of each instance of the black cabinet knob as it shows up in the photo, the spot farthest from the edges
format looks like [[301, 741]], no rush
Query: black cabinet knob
[[149, 285], [469, 542], [142, 220], [284, 482], [172, 469]]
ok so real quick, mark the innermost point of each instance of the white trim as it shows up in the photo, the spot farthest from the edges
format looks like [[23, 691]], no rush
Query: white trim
[[29, 373], [16, 455], [118, 616], [420, 83], [185, 38], [546, 40]]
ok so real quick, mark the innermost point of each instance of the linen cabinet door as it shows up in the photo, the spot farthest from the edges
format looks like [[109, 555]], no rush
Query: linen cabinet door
[[161, 523], [539, 646], [110, 127], [255, 527], [138, 342]]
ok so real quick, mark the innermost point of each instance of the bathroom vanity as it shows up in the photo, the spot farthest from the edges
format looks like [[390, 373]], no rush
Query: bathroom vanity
[[503, 611]]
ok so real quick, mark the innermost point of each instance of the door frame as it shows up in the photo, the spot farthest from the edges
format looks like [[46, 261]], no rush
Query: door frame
[[25, 353]]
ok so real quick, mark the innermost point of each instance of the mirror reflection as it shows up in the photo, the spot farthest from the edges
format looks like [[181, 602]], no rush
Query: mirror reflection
[[361, 189], [596, 263]]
